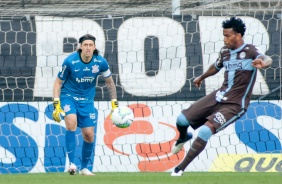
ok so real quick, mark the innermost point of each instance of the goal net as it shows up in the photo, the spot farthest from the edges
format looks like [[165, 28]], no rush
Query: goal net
[[155, 49]]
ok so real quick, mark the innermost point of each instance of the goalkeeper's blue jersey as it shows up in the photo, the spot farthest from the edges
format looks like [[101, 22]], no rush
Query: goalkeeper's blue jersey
[[79, 78]]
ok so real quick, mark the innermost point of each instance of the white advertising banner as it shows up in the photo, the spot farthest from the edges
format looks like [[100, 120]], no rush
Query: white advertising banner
[[30, 141]]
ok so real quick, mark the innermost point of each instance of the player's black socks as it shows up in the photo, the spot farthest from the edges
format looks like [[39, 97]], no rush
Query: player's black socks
[[182, 131]]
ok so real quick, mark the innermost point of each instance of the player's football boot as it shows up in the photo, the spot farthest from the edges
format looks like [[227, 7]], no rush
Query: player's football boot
[[86, 172], [179, 143], [72, 169], [177, 171]]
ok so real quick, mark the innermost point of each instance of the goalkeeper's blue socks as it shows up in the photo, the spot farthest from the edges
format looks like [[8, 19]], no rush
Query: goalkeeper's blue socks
[[87, 149], [70, 144]]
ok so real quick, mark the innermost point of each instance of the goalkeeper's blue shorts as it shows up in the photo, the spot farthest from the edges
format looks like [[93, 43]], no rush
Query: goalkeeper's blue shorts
[[87, 114]]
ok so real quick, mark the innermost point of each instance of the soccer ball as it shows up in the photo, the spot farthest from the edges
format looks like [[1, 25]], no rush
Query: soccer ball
[[122, 117]]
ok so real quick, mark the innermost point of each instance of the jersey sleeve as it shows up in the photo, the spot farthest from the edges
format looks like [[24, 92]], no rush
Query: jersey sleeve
[[64, 71], [219, 62], [105, 70], [258, 52]]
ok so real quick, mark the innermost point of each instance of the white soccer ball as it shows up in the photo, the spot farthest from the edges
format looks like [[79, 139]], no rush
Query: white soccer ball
[[122, 117]]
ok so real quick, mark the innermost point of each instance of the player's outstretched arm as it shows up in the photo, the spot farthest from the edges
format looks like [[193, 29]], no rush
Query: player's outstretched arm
[[211, 71], [262, 62]]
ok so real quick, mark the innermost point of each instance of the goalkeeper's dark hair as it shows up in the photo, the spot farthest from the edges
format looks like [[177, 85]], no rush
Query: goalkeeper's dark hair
[[236, 24], [87, 37]]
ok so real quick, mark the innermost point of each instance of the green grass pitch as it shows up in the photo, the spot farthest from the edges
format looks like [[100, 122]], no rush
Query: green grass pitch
[[144, 178]]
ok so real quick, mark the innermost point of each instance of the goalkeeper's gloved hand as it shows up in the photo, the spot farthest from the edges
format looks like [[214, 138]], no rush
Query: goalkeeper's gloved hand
[[58, 111], [114, 103]]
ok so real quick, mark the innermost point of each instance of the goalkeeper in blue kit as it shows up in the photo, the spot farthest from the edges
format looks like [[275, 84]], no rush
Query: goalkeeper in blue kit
[[73, 94]]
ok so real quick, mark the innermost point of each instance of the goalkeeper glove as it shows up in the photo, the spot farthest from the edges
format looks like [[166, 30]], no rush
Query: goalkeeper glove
[[58, 111], [114, 103]]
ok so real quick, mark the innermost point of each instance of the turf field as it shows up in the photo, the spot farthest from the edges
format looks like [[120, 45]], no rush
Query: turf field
[[144, 178]]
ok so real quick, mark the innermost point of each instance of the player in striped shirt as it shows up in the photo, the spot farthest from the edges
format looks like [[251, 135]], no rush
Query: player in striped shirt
[[225, 105]]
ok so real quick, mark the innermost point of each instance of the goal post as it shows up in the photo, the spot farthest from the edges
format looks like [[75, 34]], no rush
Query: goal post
[[155, 49]]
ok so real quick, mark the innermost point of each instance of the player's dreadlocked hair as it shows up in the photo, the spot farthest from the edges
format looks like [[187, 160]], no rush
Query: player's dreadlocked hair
[[236, 24], [88, 37]]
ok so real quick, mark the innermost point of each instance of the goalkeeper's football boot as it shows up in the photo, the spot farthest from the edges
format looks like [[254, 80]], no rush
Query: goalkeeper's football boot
[[86, 172], [179, 143], [177, 171], [72, 169]]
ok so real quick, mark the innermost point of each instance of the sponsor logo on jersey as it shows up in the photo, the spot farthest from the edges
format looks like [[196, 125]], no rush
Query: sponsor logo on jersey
[[73, 62], [92, 116], [95, 69], [96, 60], [234, 66], [218, 61], [76, 70], [223, 50], [79, 98], [242, 55], [85, 79], [86, 69], [219, 117], [220, 95], [63, 70], [67, 108]]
